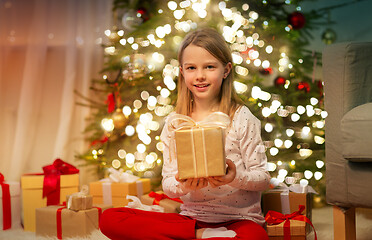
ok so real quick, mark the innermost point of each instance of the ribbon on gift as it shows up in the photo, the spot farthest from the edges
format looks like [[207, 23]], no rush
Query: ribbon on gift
[[52, 183], [59, 218], [137, 204], [82, 194], [7, 210], [160, 196], [274, 218], [118, 176], [179, 122]]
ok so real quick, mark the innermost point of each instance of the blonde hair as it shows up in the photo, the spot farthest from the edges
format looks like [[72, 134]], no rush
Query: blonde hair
[[215, 44]]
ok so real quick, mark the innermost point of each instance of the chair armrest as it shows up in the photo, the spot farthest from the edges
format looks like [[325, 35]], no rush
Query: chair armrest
[[356, 128]]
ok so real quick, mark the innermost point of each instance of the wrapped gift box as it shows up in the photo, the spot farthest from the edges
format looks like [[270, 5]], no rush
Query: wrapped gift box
[[72, 223], [115, 193], [78, 202], [14, 215], [298, 232], [169, 205], [273, 200], [288, 202], [32, 195], [200, 152]]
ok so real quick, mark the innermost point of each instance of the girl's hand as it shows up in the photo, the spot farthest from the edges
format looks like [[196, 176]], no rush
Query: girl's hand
[[228, 178], [193, 183]]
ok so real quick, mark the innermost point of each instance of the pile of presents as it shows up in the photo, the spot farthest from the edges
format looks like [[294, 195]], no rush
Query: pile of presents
[[51, 203]]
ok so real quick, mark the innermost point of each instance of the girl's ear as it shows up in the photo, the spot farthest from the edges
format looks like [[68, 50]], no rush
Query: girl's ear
[[227, 70], [181, 71]]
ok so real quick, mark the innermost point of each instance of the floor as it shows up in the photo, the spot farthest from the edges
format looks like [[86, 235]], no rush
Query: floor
[[322, 221]]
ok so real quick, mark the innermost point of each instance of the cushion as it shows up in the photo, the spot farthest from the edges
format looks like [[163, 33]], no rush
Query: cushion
[[356, 130]]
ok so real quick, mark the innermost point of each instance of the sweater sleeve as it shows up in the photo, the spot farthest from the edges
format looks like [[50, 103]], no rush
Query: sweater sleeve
[[171, 186], [253, 175]]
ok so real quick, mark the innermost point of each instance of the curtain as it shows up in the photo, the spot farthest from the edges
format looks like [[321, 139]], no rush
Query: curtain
[[48, 49]]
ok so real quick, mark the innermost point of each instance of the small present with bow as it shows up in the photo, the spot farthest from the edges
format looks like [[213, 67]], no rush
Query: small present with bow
[[80, 200], [61, 222], [198, 146], [287, 226], [285, 198], [51, 187], [114, 189], [170, 205]]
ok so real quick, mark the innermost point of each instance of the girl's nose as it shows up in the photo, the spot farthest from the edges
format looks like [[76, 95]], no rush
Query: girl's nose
[[200, 75]]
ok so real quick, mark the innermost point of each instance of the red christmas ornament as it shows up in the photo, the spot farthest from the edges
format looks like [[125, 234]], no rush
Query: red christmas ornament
[[110, 103], [296, 20], [303, 86], [266, 71], [279, 81], [144, 13]]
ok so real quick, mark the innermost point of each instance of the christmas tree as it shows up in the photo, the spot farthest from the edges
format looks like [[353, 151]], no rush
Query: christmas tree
[[274, 77]]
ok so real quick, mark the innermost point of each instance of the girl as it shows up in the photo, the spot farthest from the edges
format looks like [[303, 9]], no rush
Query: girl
[[224, 207]]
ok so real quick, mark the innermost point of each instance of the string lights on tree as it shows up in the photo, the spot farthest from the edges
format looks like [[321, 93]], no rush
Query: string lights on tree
[[273, 72]]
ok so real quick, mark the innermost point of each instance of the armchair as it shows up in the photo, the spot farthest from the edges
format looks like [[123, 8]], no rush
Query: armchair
[[347, 74]]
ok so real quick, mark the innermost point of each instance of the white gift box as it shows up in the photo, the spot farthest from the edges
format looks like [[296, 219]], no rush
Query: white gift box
[[15, 203]]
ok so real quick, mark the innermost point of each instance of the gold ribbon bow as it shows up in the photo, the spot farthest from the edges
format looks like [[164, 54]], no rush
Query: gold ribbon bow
[[215, 119]]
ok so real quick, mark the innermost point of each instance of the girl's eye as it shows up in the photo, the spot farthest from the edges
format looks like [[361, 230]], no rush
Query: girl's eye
[[190, 68], [210, 67]]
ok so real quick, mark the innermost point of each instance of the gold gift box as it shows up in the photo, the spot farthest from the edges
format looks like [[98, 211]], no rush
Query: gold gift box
[[119, 191], [80, 223], [169, 205], [77, 202], [200, 152], [32, 195], [297, 228]]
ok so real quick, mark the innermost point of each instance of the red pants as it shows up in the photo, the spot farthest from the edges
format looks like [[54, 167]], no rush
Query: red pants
[[126, 223]]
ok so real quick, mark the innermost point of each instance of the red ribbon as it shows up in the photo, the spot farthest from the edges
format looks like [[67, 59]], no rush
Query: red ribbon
[[7, 210], [59, 219], [274, 218], [160, 196], [52, 183]]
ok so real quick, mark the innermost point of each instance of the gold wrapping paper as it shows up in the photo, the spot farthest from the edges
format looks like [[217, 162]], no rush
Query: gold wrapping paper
[[200, 152], [79, 202], [298, 230], [169, 205], [119, 191], [80, 223]]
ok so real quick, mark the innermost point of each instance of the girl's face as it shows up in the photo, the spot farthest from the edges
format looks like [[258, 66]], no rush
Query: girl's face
[[203, 74]]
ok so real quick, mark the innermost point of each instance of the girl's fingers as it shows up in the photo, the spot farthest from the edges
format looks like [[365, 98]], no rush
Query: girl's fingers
[[214, 182], [195, 183]]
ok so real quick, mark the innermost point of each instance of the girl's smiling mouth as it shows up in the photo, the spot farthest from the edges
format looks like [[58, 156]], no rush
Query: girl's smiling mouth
[[201, 85]]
